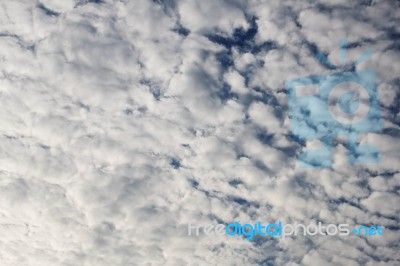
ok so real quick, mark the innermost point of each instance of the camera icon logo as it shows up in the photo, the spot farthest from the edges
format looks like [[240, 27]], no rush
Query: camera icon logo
[[329, 106]]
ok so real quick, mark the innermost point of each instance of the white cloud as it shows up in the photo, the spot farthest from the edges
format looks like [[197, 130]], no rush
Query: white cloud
[[122, 121]]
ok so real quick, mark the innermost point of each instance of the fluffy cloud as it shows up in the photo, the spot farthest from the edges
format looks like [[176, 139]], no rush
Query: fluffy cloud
[[123, 121]]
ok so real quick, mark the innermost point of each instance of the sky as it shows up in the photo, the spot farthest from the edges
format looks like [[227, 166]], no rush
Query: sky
[[124, 120]]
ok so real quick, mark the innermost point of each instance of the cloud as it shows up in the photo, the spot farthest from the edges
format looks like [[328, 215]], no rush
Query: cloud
[[123, 121]]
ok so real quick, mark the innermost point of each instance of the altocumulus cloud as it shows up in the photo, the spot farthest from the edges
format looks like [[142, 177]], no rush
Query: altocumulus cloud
[[123, 121]]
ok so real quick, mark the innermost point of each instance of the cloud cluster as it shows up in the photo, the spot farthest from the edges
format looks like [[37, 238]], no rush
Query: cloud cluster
[[123, 121]]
